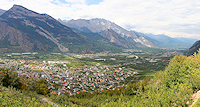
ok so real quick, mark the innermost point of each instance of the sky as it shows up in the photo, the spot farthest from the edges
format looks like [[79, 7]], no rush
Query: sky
[[174, 18]]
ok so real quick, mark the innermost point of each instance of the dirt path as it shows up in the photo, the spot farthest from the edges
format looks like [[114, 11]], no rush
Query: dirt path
[[195, 97], [47, 100]]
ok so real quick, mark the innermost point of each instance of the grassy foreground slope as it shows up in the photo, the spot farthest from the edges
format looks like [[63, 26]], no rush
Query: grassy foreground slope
[[11, 97]]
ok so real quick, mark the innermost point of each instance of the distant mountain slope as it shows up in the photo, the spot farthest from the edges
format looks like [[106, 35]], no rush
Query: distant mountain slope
[[96, 43], [2, 11], [189, 41], [35, 32], [194, 48], [113, 37], [168, 42], [98, 25], [9, 36]]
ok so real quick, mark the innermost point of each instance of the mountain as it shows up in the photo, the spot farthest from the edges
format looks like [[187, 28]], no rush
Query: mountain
[[2, 11], [98, 25], [113, 37], [109, 34], [31, 31], [194, 48], [96, 43], [189, 41], [164, 41]]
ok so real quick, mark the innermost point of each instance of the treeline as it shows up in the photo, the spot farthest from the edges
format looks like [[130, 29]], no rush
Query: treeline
[[8, 78], [170, 87]]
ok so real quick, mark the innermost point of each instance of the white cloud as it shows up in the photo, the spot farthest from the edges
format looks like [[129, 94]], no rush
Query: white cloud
[[170, 17], [75, 1]]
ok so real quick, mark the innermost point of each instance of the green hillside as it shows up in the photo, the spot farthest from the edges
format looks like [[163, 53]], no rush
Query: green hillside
[[11, 97]]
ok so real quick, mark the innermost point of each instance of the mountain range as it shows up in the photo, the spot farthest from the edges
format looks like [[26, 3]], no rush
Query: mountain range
[[97, 25], [164, 41], [30, 31], [135, 38], [190, 41], [25, 30]]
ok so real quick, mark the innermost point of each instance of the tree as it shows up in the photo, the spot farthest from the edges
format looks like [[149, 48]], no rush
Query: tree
[[30, 84], [175, 72], [10, 78], [193, 66], [42, 87]]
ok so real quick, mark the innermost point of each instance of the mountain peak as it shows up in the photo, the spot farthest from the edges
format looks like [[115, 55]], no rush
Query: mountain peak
[[20, 12], [17, 6]]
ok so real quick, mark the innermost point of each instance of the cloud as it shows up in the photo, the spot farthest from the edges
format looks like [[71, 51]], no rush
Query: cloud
[[75, 1], [170, 17]]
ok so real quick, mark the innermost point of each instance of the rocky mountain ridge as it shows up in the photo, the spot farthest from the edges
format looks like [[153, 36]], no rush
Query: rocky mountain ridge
[[98, 25], [109, 34]]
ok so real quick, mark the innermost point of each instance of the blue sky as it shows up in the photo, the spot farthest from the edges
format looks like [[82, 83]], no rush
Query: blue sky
[[88, 2], [175, 18]]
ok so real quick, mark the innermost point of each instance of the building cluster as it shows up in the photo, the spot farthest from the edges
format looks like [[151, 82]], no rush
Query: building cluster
[[72, 80], [168, 54]]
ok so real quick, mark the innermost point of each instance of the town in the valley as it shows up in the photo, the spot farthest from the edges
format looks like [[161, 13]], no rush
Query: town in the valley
[[87, 72]]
